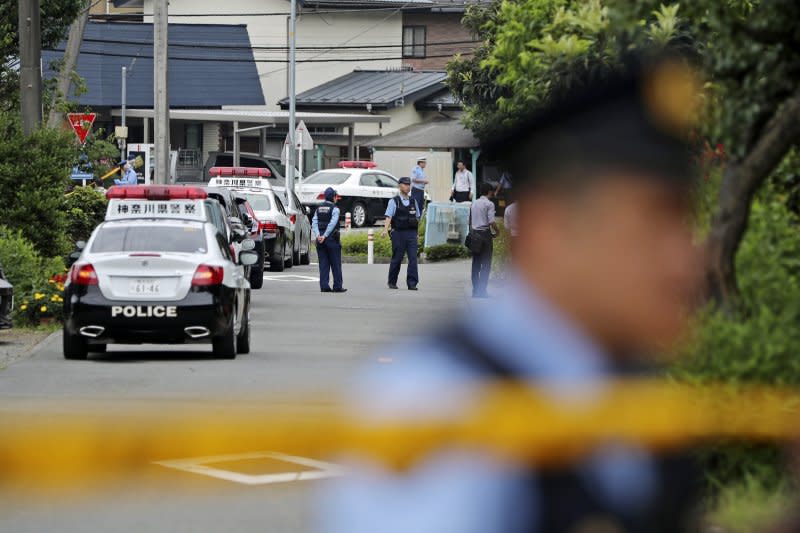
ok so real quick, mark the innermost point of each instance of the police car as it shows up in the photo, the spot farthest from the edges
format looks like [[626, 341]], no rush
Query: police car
[[364, 191], [157, 271], [278, 229]]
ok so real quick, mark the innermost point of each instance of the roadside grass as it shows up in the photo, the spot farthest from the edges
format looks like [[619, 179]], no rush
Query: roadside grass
[[750, 507]]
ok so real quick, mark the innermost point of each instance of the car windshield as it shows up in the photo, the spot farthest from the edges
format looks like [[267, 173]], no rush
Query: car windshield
[[327, 178], [259, 202], [183, 239]]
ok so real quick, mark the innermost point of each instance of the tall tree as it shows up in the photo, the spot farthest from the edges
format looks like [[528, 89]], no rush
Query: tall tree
[[750, 50]]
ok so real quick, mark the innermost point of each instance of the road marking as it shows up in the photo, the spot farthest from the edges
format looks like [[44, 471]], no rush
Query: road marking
[[197, 465], [290, 277]]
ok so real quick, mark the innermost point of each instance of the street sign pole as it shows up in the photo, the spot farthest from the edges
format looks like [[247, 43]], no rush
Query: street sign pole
[[30, 74], [123, 143], [290, 163]]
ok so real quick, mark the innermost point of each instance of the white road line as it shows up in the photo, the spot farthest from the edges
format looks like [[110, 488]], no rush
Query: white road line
[[290, 277], [197, 465]]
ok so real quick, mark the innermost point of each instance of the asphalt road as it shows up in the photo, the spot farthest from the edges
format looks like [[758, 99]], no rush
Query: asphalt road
[[304, 342]]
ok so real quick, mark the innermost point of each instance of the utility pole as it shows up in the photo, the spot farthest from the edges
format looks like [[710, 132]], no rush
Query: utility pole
[[124, 141], [160, 97], [290, 157], [30, 71], [70, 60]]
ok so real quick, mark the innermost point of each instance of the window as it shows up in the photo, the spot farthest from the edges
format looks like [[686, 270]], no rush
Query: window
[[368, 180], [259, 202], [327, 178], [224, 249], [413, 41], [252, 162], [385, 180], [279, 205], [161, 238]]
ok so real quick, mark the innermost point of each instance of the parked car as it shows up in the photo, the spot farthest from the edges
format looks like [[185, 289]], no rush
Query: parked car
[[225, 159], [6, 301], [256, 235], [364, 190], [301, 226]]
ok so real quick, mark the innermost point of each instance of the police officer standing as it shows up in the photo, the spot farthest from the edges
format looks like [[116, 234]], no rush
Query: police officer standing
[[402, 215], [604, 271], [127, 176], [325, 231], [419, 181]]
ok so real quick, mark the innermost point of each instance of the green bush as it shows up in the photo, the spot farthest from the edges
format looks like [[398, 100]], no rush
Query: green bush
[[757, 342], [34, 173], [23, 265], [356, 244], [85, 208], [442, 252]]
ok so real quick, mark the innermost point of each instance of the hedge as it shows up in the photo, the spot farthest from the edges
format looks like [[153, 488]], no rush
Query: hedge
[[28, 271], [442, 252]]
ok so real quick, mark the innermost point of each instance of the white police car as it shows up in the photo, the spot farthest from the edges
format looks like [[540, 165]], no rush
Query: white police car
[[157, 272], [364, 191]]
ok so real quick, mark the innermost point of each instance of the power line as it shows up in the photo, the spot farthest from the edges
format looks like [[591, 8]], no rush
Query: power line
[[251, 60], [228, 46]]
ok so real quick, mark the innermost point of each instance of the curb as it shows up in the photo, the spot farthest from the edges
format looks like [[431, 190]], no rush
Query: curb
[[39, 346]]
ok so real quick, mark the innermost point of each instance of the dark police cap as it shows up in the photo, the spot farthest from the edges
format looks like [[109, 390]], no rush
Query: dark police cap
[[637, 119], [404, 181]]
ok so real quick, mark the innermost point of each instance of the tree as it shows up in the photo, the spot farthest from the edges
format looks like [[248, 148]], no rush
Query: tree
[[750, 50], [56, 17]]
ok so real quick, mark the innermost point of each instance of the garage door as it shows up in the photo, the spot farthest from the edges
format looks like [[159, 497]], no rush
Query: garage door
[[439, 169]]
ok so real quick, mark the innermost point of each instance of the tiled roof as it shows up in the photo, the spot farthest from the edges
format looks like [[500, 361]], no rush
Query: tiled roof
[[381, 88], [205, 77]]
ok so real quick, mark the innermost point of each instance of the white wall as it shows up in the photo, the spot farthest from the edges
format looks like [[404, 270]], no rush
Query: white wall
[[439, 170], [329, 30]]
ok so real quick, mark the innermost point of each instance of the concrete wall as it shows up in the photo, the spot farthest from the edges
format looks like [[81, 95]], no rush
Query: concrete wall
[[441, 27], [439, 170], [328, 30]]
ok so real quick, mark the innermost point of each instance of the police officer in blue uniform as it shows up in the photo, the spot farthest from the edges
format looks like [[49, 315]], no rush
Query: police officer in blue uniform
[[604, 270], [325, 230], [127, 175], [402, 216]]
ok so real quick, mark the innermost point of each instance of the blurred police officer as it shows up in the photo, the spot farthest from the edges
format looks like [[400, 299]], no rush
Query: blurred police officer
[[325, 231], [483, 229], [402, 216], [604, 272]]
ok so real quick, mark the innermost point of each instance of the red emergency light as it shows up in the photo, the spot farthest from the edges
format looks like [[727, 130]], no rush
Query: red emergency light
[[155, 192], [357, 164], [248, 172]]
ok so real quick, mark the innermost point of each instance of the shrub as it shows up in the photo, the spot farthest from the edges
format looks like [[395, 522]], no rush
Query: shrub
[[34, 173], [86, 208], [442, 252], [356, 244], [48, 302], [23, 265], [759, 341]]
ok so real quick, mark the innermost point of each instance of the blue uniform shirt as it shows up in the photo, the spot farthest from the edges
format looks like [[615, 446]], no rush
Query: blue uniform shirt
[[462, 490], [332, 226], [418, 174], [391, 209], [129, 178]]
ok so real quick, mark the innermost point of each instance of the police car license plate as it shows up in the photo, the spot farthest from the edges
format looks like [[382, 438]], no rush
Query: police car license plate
[[145, 287]]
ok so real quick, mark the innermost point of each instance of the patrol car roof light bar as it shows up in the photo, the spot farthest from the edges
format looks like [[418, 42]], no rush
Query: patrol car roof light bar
[[249, 172], [155, 192], [357, 164]]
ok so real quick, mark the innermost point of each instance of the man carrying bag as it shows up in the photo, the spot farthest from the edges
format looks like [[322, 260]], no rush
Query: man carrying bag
[[479, 241]]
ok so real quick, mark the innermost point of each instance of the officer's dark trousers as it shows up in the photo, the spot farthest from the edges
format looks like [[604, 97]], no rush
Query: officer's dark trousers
[[461, 196], [404, 242], [329, 254], [482, 265], [419, 196]]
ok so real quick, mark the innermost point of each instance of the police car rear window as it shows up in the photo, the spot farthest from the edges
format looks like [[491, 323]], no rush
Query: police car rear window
[[328, 178], [259, 202], [182, 239]]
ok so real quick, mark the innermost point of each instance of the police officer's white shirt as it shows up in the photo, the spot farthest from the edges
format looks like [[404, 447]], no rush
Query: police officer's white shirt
[[463, 491], [462, 181]]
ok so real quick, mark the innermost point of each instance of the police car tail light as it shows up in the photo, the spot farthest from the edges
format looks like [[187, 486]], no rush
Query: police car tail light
[[269, 227], [293, 219], [206, 275], [83, 275], [321, 196]]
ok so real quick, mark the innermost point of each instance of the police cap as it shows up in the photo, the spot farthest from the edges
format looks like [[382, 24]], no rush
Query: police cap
[[637, 119], [404, 181]]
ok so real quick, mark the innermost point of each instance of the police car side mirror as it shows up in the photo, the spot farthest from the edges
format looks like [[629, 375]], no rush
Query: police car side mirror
[[248, 257], [74, 256], [80, 245], [248, 244], [307, 209]]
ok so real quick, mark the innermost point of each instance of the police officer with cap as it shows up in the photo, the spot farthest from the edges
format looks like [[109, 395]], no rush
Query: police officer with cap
[[325, 230], [604, 271], [402, 215], [127, 176]]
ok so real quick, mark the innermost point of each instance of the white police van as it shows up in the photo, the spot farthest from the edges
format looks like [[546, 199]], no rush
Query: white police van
[[157, 272]]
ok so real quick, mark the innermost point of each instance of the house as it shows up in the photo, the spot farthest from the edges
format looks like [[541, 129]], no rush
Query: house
[[127, 10], [432, 35]]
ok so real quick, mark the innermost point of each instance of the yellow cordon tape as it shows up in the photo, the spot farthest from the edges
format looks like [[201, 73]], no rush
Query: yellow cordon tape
[[506, 420]]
